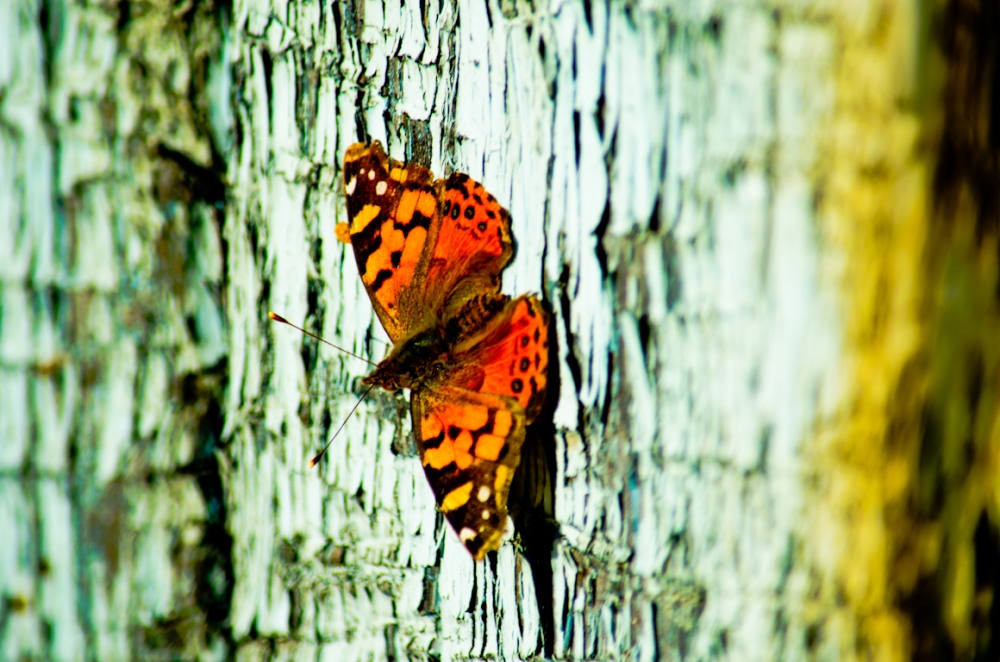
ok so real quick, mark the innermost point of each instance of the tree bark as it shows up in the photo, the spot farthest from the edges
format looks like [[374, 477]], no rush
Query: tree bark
[[767, 233], [112, 341]]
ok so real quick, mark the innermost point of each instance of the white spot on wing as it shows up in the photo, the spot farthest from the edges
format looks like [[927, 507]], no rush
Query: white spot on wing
[[351, 185], [371, 174], [380, 188], [484, 493], [466, 534], [486, 514]]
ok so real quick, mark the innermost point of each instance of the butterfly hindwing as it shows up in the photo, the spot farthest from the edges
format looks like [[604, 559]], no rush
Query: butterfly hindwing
[[511, 354], [393, 219], [470, 444]]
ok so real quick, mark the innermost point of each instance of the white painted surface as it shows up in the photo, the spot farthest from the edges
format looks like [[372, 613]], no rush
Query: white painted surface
[[715, 323]]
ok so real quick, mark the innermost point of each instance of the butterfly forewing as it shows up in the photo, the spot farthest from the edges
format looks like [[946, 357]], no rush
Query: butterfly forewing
[[393, 219], [470, 445]]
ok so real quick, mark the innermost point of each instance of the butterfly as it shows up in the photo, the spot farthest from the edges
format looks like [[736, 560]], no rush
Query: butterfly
[[431, 254]]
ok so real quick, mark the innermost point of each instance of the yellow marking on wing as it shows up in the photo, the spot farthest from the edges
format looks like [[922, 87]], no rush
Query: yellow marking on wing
[[489, 446], [457, 498], [503, 474], [364, 217], [399, 174], [462, 446]]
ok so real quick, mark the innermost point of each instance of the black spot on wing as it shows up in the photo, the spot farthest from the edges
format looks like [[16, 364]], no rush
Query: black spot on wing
[[380, 278], [487, 428], [418, 220], [433, 442], [470, 212], [459, 517], [369, 238], [457, 182], [474, 545], [395, 257], [445, 479]]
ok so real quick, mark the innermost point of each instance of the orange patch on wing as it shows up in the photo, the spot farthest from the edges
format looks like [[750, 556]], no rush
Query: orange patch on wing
[[470, 418], [407, 205], [440, 457], [489, 446], [427, 205], [503, 421], [343, 232], [464, 460], [518, 367], [431, 254]]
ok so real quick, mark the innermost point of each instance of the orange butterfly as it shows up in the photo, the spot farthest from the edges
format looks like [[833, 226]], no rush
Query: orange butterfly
[[430, 255]]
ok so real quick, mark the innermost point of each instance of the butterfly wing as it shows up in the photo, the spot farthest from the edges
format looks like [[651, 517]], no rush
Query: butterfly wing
[[473, 246], [470, 444], [393, 222], [509, 356], [471, 429]]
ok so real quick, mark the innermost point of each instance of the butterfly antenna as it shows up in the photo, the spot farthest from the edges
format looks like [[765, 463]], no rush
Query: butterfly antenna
[[319, 456], [278, 318]]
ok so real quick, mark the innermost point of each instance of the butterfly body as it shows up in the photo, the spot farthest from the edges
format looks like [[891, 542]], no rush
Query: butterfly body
[[420, 361], [430, 254]]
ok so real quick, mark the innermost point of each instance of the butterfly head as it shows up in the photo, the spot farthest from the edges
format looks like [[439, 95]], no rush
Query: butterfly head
[[385, 376], [414, 362]]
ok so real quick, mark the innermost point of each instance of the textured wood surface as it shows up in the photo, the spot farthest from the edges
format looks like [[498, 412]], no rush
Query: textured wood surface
[[664, 205], [769, 242]]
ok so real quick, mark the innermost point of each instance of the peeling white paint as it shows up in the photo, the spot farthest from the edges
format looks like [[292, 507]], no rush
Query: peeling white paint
[[678, 260]]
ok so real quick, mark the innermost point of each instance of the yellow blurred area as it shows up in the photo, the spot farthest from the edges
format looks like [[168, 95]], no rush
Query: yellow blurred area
[[906, 532]]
